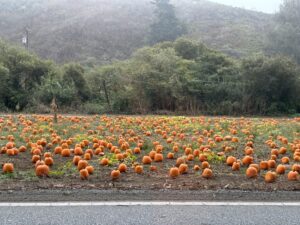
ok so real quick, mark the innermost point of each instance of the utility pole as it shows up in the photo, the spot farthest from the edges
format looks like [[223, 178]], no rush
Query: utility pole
[[25, 39]]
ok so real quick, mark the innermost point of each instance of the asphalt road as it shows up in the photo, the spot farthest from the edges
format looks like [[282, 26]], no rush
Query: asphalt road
[[164, 213]]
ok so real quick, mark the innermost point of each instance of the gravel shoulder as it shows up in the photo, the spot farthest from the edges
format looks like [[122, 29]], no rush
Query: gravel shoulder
[[145, 195]]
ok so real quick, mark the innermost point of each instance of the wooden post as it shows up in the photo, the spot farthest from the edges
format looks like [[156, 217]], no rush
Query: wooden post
[[54, 109]]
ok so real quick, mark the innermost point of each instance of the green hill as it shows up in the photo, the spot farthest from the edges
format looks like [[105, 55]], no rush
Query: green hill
[[100, 31]]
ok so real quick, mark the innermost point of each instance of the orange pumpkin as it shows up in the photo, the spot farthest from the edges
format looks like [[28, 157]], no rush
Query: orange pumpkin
[[8, 168], [115, 174], [207, 173], [139, 169], [122, 168], [42, 170], [82, 164], [280, 169], [104, 162], [146, 160], [84, 174], [263, 165], [293, 176], [230, 160], [270, 177], [49, 161], [183, 168], [76, 159], [251, 172], [158, 157], [174, 172], [90, 169], [236, 166], [66, 152]]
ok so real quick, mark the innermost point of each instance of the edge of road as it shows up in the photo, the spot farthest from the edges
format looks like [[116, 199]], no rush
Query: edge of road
[[84, 195]]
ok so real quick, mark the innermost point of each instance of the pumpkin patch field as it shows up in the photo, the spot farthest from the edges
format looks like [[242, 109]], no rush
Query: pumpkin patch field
[[149, 152]]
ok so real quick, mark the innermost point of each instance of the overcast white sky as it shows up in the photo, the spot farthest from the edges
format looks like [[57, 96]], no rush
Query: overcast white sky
[[268, 6]]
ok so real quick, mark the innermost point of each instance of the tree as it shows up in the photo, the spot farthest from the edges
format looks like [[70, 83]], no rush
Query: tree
[[4, 76], [166, 26], [285, 38], [73, 74], [271, 85]]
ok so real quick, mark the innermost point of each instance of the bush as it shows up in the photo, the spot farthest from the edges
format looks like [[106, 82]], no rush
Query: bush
[[94, 108]]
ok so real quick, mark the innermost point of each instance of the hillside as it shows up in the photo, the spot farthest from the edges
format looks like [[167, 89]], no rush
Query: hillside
[[99, 31]]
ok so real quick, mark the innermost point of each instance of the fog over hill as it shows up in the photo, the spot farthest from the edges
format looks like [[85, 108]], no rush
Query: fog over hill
[[101, 31]]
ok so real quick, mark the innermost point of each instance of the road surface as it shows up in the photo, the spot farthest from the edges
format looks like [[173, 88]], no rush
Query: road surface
[[144, 213]]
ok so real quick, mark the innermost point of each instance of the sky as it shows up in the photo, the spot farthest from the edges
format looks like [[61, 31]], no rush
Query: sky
[[268, 6]]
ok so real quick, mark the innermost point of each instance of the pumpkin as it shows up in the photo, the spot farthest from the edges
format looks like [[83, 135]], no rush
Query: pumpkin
[[174, 172], [256, 166], [84, 174], [35, 158], [47, 154], [58, 150], [146, 160], [296, 167], [170, 155], [207, 173], [78, 151], [293, 176], [230, 160], [205, 165], [39, 162], [8, 168], [247, 160], [270, 177], [122, 168], [285, 160], [236, 166], [87, 156], [90, 169], [158, 157], [22, 149], [271, 163], [115, 174], [42, 170], [190, 157], [282, 150], [153, 168], [280, 169], [76, 159], [183, 168], [251, 172], [139, 169], [197, 168], [202, 157], [82, 164], [66, 152], [180, 161], [104, 162], [263, 165], [49, 161]]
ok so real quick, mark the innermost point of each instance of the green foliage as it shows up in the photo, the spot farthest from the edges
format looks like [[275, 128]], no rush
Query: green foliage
[[21, 74], [73, 75], [171, 77], [271, 85]]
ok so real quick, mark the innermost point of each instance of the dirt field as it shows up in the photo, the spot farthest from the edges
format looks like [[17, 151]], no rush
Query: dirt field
[[122, 139]]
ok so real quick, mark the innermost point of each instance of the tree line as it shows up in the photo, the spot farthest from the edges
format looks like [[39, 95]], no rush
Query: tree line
[[183, 77]]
